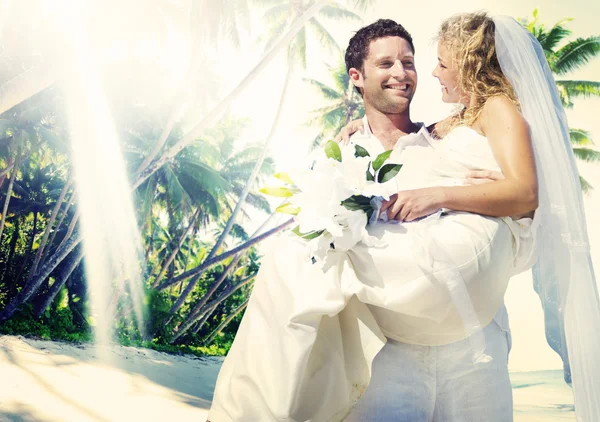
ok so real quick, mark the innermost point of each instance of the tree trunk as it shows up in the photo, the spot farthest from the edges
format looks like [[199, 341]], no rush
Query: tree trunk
[[190, 287], [49, 225], [226, 322], [226, 103], [71, 228], [209, 263], [188, 138], [13, 176], [29, 248], [171, 257], [5, 171], [57, 228], [58, 284], [195, 313], [43, 273], [149, 249], [201, 323], [13, 247], [209, 308], [182, 90], [27, 84]]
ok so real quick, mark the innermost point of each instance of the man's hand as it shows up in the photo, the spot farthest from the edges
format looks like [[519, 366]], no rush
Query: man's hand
[[348, 130], [480, 177], [409, 205]]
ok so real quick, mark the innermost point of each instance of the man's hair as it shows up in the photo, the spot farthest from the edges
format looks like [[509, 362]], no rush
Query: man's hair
[[358, 48]]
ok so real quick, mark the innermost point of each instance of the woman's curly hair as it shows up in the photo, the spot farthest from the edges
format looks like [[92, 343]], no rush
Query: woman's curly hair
[[470, 37]]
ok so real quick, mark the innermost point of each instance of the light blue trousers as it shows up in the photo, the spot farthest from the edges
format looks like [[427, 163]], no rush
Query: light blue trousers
[[412, 383]]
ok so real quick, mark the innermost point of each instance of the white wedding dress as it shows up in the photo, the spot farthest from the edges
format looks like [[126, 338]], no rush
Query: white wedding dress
[[306, 344]]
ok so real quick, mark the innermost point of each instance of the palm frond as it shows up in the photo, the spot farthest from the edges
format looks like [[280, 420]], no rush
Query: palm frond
[[298, 48], [277, 14], [574, 89], [327, 92], [242, 9], [576, 53], [325, 37], [210, 178], [176, 193], [586, 187], [340, 75], [337, 11], [362, 5], [580, 137], [259, 202], [549, 40], [273, 33], [587, 154]]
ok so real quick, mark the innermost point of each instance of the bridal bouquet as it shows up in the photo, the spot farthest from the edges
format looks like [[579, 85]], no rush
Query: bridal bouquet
[[336, 197]]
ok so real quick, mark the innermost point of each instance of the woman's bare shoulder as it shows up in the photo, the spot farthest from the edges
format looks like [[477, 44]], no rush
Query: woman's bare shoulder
[[500, 111]]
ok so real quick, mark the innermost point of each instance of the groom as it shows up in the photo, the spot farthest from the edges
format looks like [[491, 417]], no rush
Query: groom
[[438, 382]]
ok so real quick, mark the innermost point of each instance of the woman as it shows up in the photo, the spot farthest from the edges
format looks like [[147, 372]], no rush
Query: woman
[[317, 340]]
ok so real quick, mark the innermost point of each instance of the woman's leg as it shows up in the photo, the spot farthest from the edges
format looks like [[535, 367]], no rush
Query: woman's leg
[[402, 386], [470, 391]]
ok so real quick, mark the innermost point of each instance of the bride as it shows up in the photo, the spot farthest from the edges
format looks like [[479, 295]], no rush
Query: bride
[[306, 346]]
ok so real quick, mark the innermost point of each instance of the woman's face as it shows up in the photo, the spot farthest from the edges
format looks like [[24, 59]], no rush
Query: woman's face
[[446, 72]]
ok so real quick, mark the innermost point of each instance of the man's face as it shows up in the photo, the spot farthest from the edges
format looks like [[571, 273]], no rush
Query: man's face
[[389, 76]]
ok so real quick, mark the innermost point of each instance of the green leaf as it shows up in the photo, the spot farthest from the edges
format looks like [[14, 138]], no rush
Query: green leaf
[[587, 154], [360, 151], [288, 209], [307, 236], [580, 137], [284, 177], [357, 202], [381, 159], [586, 187], [332, 150], [5, 124], [279, 192], [388, 172], [370, 176], [576, 53]]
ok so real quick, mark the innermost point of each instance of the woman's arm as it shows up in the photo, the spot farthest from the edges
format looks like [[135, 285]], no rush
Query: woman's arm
[[508, 135]]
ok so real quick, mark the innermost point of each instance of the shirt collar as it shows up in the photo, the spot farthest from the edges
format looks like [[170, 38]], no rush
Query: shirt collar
[[409, 139]]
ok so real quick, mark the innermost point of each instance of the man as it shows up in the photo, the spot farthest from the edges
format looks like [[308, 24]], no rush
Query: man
[[306, 345], [439, 383]]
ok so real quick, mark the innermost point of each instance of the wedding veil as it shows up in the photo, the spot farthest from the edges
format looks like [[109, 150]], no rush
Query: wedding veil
[[563, 275]]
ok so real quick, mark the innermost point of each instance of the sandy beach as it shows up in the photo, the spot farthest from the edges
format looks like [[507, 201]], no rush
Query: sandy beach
[[50, 381]]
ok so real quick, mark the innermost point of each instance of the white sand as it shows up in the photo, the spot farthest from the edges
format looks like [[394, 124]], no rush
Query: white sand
[[52, 381]]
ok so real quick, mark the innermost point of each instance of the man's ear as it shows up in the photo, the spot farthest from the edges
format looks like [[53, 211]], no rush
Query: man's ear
[[356, 77]]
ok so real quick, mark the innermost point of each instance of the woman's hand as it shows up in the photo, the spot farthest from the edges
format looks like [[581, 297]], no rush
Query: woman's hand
[[409, 205], [348, 130]]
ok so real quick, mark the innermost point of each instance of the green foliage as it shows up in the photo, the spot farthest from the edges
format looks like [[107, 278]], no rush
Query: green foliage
[[332, 150], [343, 103], [54, 324]]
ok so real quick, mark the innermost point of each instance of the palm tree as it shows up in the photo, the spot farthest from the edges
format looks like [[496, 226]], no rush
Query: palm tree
[[565, 56], [344, 103], [280, 16]]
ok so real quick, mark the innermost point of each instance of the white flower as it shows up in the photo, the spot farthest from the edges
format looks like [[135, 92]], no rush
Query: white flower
[[322, 190]]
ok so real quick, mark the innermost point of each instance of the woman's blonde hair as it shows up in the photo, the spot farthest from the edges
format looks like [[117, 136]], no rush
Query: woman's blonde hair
[[470, 37]]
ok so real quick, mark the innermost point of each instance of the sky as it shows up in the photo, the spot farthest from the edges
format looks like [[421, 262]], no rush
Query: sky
[[530, 351]]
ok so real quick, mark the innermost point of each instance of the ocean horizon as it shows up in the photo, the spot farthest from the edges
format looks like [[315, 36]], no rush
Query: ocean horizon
[[541, 396]]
